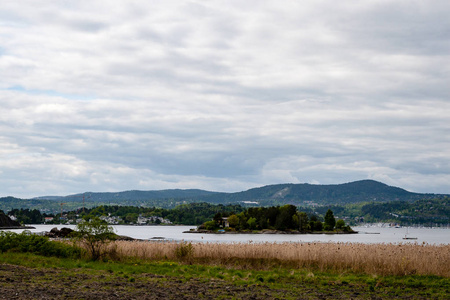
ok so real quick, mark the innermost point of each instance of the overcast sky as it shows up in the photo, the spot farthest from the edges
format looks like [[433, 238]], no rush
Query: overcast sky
[[222, 95]]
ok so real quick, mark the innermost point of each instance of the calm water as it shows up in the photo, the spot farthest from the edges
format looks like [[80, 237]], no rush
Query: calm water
[[368, 235]]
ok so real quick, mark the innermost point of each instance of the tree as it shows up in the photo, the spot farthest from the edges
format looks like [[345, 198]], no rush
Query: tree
[[340, 224], [330, 221], [251, 223], [233, 221], [218, 218], [284, 219], [242, 221], [302, 221], [318, 226], [94, 234], [210, 225], [312, 222]]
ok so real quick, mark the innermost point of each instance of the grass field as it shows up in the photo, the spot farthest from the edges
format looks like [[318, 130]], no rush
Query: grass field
[[32, 267]]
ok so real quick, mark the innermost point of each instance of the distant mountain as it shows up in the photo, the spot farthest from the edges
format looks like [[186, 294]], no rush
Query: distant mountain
[[278, 194], [353, 192], [9, 203], [131, 196]]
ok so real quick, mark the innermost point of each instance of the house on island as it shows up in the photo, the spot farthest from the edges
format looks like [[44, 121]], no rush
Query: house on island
[[225, 222]]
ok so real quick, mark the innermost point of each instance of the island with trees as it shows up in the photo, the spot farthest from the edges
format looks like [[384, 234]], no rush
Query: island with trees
[[275, 219]]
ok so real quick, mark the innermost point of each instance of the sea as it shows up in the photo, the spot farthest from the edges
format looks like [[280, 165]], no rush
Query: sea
[[370, 234]]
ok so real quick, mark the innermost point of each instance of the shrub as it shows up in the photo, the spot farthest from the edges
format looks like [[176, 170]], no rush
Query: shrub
[[210, 225], [184, 251], [95, 235], [27, 242]]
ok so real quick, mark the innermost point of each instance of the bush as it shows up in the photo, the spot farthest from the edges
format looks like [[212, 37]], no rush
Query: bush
[[95, 235], [31, 243], [210, 225], [184, 251]]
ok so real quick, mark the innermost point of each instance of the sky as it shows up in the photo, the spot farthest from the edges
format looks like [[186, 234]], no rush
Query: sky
[[107, 96]]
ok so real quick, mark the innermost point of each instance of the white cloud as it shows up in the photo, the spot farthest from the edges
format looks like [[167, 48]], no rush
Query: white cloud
[[222, 95]]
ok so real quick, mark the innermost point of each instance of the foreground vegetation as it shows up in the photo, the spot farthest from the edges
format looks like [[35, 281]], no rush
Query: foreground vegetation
[[35, 267], [133, 279], [30, 276]]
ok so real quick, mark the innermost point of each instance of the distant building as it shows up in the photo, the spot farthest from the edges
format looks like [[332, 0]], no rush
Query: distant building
[[225, 222]]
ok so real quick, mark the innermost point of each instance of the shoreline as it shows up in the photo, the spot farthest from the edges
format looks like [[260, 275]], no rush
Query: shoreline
[[17, 227]]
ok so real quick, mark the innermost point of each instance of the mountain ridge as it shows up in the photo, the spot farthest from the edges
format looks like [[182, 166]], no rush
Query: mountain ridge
[[276, 194]]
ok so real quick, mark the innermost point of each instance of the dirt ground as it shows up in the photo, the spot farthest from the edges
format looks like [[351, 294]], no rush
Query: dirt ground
[[17, 282]]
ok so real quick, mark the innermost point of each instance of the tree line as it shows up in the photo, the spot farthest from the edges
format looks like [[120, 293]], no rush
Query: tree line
[[186, 214]]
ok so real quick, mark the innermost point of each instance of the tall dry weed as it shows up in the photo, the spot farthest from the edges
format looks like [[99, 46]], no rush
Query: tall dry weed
[[380, 259]]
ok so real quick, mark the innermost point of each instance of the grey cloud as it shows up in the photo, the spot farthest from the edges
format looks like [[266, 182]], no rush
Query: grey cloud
[[150, 95]]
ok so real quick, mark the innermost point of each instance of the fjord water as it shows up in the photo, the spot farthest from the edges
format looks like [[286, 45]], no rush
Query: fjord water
[[366, 235]]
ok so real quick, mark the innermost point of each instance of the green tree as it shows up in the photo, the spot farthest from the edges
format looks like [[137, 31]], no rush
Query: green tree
[[233, 221], [252, 223], [95, 234], [318, 226], [330, 221], [131, 217], [210, 225], [302, 221], [284, 219], [312, 222], [242, 220], [340, 224]]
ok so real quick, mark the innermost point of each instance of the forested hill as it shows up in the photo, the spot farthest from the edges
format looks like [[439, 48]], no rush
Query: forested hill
[[353, 192], [270, 195], [133, 196]]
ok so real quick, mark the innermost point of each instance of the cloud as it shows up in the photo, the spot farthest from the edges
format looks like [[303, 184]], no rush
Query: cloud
[[222, 95]]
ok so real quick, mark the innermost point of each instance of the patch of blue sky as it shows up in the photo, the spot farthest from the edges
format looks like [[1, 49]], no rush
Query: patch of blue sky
[[51, 93]]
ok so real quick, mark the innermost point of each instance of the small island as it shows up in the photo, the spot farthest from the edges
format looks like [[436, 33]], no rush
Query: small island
[[273, 220]]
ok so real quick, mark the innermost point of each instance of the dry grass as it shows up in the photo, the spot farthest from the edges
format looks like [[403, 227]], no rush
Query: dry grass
[[380, 259]]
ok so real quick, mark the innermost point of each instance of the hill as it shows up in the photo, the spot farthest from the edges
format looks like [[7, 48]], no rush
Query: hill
[[299, 194], [9, 203], [136, 195], [278, 194]]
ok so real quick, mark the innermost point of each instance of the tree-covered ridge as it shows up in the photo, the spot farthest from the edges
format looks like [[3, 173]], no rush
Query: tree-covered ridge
[[299, 194], [271, 195], [427, 212], [281, 218], [133, 196]]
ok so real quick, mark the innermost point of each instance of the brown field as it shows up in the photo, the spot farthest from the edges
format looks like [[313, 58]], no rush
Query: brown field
[[379, 259]]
